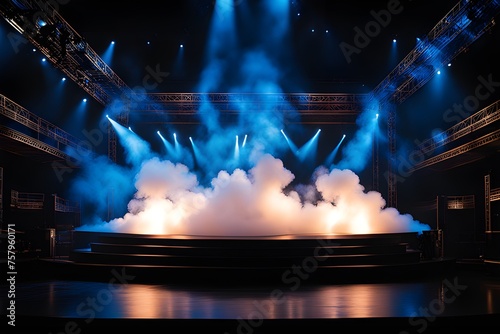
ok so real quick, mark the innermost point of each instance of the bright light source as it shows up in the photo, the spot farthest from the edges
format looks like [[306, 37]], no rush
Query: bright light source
[[130, 128], [107, 116], [327, 31], [158, 132], [148, 42], [182, 45], [376, 116], [63, 79], [113, 42], [394, 40], [438, 72], [343, 136], [449, 64], [34, 50], [312, 30], [298, 14], [84, 100], [44, 60]]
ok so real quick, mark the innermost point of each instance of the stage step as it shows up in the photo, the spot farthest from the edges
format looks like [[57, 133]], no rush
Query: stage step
[[237, 251], [273, 260]]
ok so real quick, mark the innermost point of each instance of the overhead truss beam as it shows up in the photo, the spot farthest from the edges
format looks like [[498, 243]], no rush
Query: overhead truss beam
[[484, 140]]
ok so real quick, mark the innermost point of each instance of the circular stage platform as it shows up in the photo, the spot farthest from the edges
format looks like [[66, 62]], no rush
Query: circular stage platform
[[287, 259]]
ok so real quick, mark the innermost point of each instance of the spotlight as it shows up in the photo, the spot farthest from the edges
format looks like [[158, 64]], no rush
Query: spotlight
[[312, 30], [327, 31], [44, 60], [148, 42], [376, 117], [34, 50], [85, 100], [158, 132], [394, 40], [113, 42], [438, 72], [449, 64], [182, 45], [130, 128], [63, 79], [107, 116]]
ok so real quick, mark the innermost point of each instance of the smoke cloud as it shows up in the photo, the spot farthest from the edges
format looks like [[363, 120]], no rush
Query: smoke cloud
[[170, 200], [251, 193]]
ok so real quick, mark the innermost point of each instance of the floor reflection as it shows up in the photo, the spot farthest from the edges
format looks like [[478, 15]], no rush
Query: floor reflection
[[452, 296]]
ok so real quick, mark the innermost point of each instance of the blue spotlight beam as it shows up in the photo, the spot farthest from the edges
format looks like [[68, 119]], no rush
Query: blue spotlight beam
[[309, 147], [331, 157], [168, 146], [237, 148], [291, 144]]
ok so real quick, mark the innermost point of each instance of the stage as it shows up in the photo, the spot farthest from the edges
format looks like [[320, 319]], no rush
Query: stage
[[253, 285], [279, 259]]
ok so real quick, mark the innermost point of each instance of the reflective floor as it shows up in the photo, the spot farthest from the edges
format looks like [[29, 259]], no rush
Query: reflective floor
[[461, 294], [446, 296]]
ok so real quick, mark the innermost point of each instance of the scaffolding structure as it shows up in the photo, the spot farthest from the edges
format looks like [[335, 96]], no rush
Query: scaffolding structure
[[478, 120], [69, 52], [49, 138], [452, 35], [490, 195], [26, 201], [1, 198]]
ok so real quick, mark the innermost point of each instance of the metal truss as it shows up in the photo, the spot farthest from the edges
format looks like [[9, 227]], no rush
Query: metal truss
[[1, 197], [26, 201], [482, 118], [291, 102], [452, 35], [22, 116], [487, 202], [64, 47], [64, 205], [495, 195], [484, 140], [186, 108], [461, 202], [21, 137]]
